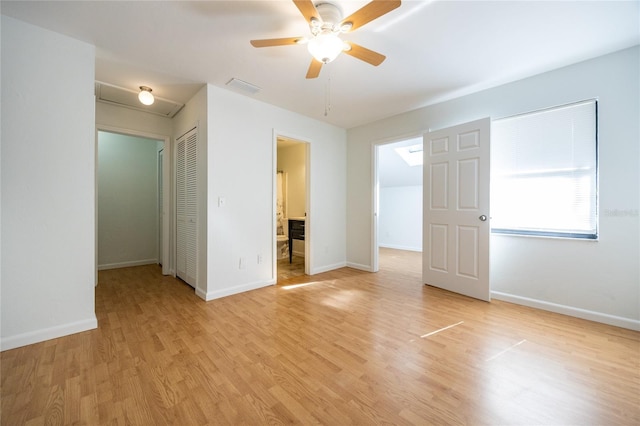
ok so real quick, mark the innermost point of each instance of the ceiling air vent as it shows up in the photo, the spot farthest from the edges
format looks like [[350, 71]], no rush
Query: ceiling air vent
[[114, 95], [243, 86]]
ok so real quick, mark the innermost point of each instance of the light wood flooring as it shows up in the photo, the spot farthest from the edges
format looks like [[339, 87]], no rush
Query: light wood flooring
[[288, 270], [338, 348]]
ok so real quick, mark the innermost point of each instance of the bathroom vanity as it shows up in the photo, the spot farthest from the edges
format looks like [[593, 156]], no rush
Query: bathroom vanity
[[296, 232]]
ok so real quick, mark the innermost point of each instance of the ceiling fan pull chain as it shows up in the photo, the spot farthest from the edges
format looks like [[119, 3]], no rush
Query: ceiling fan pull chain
[[327, 95]]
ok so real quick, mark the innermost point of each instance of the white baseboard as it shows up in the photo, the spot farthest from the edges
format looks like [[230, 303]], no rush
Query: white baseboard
[[211, 295], [201, 294], [38, 336], [327, 268], [359, 266], [127, 264], [569, 310], [397, 247]]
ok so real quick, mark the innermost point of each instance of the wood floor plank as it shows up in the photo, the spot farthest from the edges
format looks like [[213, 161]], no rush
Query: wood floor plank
[[345, 347]]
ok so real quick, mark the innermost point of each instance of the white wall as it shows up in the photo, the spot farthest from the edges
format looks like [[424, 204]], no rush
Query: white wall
[[242, 170], [112, 116], [596, 280], [236, 162], [48, 185], [400, 217], [127, 201]]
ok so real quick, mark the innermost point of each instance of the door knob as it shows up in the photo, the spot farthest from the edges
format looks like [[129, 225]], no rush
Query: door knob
[[483, 218]]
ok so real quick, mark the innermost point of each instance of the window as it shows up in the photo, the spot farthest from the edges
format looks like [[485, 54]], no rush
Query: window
[[544, 172]]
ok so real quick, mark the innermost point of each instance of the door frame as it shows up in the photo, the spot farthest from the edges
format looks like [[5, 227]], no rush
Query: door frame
[[308, 252], [165, 253], [161, 212]]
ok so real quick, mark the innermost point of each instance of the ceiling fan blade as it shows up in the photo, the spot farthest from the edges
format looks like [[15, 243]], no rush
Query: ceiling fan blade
[[314, 68], [364, 54], [268, 42], [369, 12], [307, 9]]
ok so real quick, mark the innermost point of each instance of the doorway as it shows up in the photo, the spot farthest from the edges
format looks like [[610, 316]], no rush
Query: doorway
[[132, 184], [291, 208], [398, 191]]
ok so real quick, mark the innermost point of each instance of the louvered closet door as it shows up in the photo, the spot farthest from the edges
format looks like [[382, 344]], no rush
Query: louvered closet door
[[186, 208], [181, 238], [191, 209]]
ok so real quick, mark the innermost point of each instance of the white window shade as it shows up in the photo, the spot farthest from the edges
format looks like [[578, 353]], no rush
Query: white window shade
[[544, 172]]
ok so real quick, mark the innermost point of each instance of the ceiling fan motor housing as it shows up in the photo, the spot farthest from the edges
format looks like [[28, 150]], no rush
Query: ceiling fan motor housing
[[331, 16]]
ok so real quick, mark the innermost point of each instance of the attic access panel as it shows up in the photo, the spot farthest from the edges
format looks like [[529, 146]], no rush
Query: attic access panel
[[128, 98]]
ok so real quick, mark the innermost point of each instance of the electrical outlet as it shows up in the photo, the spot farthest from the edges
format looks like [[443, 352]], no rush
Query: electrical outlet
[[259, 259]]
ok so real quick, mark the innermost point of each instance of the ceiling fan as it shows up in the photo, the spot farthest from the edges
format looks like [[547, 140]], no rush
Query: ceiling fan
[[326, 24]]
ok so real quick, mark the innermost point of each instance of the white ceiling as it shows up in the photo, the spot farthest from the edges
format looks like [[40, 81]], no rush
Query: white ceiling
[[435, 50]]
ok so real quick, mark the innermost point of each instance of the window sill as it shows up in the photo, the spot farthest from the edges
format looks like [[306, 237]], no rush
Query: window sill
[[550, 235]]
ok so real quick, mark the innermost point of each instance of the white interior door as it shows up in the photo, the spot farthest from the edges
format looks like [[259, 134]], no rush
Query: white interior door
[[181, 217], [186, 208], [456, 209], [192, 208]]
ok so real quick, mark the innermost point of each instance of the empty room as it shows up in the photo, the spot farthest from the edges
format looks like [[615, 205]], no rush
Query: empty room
[[219, 281]]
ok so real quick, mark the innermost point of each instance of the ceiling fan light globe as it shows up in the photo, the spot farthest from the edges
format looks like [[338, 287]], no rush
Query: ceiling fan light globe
[[346, 27], [325, 47]]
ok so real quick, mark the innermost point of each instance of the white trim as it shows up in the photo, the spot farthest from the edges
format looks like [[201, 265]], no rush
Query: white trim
[[130, 132], [42, 335], [550, 108], [397, 247], [211, 295], [375, 195], [359, 266], [202, 294], [328, 268], [274, 208], [127, 264], [308, 227], [617, 321], [308, 249], [375, 200]]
